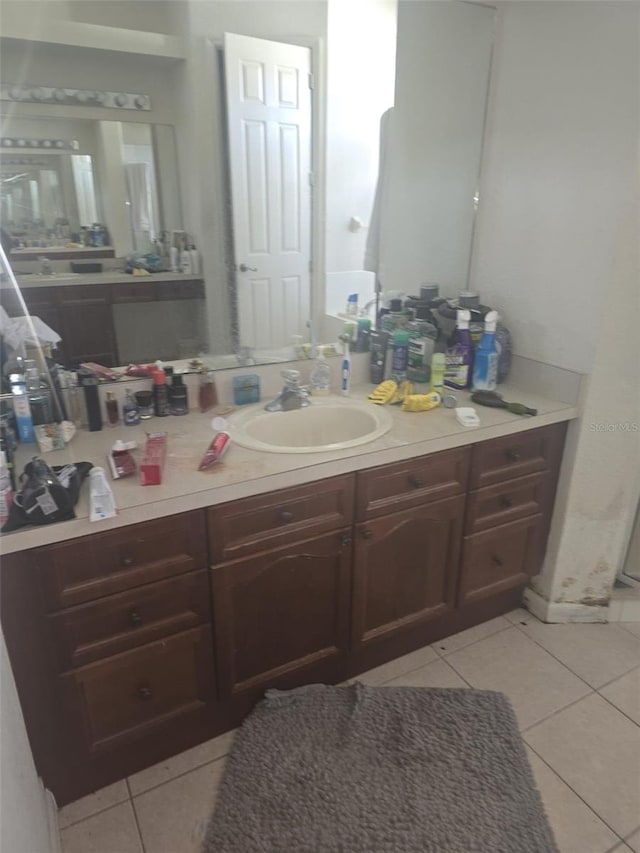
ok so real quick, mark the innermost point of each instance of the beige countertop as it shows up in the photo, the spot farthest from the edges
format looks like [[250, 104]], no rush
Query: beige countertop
[[113, 278], [244, 472]]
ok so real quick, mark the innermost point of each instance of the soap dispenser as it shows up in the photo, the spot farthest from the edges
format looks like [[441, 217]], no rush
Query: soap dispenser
[[320, 375]]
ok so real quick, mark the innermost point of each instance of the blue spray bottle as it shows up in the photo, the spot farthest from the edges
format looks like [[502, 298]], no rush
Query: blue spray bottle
[[345, 379], [485, 368]]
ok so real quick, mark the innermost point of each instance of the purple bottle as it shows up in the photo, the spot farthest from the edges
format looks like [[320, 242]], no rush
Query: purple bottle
[[459, 357]]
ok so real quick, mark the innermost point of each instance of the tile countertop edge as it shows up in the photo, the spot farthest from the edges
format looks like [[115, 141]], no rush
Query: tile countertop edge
[[359, 458]]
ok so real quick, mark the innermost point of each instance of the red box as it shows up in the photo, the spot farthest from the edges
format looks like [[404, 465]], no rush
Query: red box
[[152, 463]]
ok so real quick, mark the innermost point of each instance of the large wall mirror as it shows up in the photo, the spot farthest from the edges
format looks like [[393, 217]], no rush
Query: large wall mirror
[[429, 154]]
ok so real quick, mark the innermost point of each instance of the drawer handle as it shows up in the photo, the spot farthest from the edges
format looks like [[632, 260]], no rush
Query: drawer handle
[[366, 534], [498, 561], [512, 455], [135, 618], [127, 561], [506, 501], [144, 693], [285, 515], [414, 482], [345, 539]]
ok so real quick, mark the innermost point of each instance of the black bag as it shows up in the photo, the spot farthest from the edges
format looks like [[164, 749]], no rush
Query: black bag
[[47, 494]]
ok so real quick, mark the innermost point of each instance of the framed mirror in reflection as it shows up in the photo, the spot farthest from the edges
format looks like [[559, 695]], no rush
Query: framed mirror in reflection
[[430, 61], [90, 185]]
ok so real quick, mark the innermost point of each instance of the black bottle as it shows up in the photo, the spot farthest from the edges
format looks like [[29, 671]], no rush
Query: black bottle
[[160, 394], [178, 397], [94, 416]]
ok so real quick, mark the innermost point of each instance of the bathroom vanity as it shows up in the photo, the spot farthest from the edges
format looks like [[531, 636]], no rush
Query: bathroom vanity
[[135, 640]]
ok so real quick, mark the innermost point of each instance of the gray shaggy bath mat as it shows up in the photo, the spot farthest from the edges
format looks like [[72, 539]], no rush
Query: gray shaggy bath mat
[[379, 770]]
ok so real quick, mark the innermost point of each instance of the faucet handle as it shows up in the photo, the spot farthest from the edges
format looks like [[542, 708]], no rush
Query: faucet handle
[[291, 378]]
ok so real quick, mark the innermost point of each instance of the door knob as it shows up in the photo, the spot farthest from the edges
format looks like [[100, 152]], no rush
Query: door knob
[[245, 268]]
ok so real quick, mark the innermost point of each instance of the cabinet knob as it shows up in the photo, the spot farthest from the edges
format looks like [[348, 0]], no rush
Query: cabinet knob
[[144, 693], [506, 501], [345, 539], [135, 618], [498, 561], [285, 515], [127, 561], [366, 534], [414, 481], [512, 455]]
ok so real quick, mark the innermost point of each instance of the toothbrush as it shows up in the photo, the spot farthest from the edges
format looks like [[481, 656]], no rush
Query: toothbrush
[[346, 368]]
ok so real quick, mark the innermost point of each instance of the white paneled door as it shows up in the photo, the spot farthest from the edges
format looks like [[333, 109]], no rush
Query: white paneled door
[[269, 122]]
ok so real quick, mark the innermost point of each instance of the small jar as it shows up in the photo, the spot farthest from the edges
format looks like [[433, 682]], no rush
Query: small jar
[[144, 399]]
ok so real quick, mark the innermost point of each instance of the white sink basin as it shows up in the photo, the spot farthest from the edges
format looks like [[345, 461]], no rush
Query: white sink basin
[[329, 423]]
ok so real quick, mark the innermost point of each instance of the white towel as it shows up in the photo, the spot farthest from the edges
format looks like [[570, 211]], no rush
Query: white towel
[[372, 248]]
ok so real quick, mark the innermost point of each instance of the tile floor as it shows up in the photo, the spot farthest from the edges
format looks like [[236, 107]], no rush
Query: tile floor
[[575, 690]]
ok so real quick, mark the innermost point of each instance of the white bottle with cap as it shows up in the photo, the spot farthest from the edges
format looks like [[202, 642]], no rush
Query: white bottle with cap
[[6, 494]]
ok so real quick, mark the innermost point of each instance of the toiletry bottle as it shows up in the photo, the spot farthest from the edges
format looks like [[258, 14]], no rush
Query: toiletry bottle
[[111, 405], [352, 305], [195, 260], [437, 372], [485, 366], [130, 411], [395, 318], [422, 337], [178, 402], [345, 382], [38, 394], [92, 401], [399, 354], [459, 357], [101, 501], [320, 376], [378, 343], [207, 394], [21, 408], [362, 335], [7, 446], [160, 394], [185, 259], [174, 258], [73, 399], [6, 492]]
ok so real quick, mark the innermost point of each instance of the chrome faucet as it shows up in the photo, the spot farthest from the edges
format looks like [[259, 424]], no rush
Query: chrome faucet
[[292, 396]]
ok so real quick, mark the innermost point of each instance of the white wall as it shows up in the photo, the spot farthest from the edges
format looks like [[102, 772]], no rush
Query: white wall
[[24, 817], [557, 171], [556, 250], [442, 73], [361, 56]]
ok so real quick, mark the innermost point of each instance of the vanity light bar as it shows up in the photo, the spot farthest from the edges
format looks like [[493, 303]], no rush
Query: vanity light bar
[[77, 97], [43, 144]]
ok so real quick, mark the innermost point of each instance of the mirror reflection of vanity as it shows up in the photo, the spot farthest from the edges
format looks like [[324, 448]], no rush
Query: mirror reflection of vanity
[[442, 63]]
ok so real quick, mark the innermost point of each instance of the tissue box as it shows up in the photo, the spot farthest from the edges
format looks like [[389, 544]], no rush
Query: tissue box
[[152, 464]]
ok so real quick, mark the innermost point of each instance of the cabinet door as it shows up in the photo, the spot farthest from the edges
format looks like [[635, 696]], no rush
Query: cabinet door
[[282, 617], [87, 325], [501, 558], [405, 569], [147, 692]]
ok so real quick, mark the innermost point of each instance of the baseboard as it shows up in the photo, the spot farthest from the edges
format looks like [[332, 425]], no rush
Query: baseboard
[[563, 611], [52, 821]]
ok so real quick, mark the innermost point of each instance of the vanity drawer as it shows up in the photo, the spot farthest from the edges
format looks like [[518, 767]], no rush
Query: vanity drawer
[[126, 697], [180, 290], [114, 624], [508, 501], [391, 488], [516, 455], [269, 521], [500, 559], [104, 563], [137, 291]]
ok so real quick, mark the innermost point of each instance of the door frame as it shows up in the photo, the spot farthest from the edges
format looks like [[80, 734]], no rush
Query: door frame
[[225, 267]]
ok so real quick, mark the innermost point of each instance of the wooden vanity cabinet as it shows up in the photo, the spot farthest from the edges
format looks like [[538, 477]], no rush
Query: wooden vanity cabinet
[[131, 645], [110, 639], [281, 609]]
